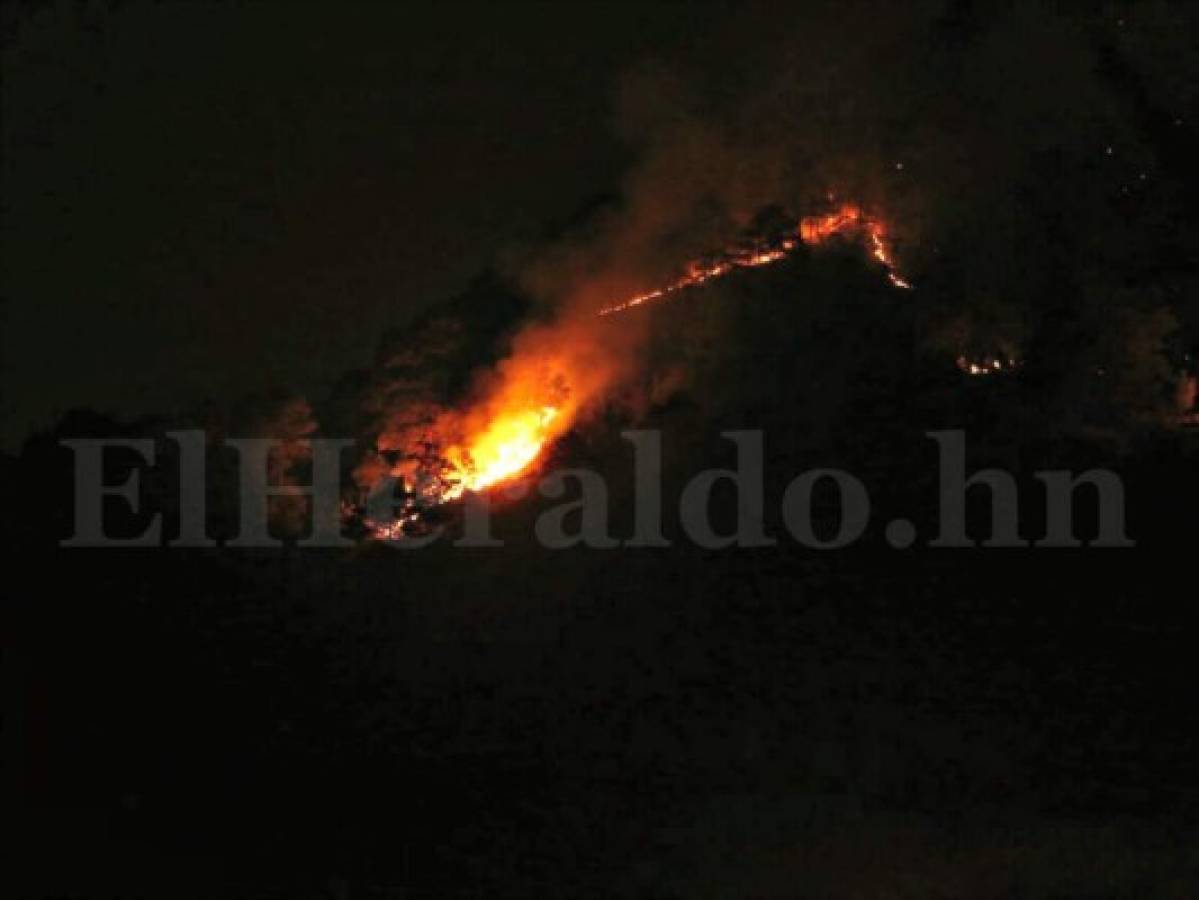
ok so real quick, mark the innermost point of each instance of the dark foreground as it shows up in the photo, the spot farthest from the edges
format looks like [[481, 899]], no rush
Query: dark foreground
[[674, 723]]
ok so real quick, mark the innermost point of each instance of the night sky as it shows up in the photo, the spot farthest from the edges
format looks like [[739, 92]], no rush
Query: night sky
[[202, 202]]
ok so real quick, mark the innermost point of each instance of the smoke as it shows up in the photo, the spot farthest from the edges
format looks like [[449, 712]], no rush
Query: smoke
[[932, 115], [1006, 159], [983, 134]]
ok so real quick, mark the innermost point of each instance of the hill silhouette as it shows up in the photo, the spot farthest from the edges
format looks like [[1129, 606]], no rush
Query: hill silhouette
[[632, 722]]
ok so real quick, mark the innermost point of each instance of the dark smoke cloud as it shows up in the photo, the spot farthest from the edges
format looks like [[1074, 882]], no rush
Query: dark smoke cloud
[[1017, 184], [1011, 165], [935, 114]]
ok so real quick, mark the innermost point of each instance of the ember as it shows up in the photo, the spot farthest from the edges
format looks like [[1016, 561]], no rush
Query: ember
[[986, 365], [847, 220]]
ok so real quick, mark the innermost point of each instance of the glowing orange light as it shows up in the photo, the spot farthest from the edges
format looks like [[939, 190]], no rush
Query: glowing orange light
[[847, 219], [504, 433], [503, 450]]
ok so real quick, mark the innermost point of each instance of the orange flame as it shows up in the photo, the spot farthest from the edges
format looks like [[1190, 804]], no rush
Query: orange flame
[[847, 219], [553, 371], [818, 229], [504, 449], [529, 400]]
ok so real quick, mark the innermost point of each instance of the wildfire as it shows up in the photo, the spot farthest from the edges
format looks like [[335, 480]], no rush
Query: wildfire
[[506, 446], [539, 389], [522, 406], [698, 273], [986, 365], [881, 254], [848, 219], [502, 451]]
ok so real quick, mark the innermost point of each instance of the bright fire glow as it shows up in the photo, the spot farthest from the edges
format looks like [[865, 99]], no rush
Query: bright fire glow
[[846, 220], [504, 449], [538, 391]]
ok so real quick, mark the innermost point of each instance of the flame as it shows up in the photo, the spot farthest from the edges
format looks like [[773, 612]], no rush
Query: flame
[[986, 365], [846, 220], [505, 448], [528, 401], [818, 229], [554, 370], [879, 249], [504, 439]]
